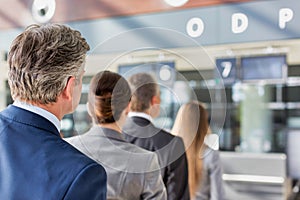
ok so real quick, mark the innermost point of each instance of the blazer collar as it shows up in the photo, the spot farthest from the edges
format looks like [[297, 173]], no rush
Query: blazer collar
[[106, 132], [40, 111], [29, 118], [139, 120]]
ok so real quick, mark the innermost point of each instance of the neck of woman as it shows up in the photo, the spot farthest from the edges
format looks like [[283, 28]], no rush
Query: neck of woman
[[114, 126]]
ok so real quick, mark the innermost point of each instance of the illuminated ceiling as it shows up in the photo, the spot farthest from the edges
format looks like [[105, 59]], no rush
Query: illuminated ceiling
[[17, 13]]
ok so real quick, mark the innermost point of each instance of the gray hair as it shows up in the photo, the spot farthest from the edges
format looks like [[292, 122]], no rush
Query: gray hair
[[42, 59]]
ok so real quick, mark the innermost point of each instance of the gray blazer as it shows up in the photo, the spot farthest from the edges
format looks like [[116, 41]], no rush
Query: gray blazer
[[132, 172], [211, 187]]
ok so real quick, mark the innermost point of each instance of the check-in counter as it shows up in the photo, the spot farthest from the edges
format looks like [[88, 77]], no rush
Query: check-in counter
[[255, 176]]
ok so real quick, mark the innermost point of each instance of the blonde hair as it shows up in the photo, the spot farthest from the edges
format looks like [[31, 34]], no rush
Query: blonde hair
[[192, 125], [42, 59]]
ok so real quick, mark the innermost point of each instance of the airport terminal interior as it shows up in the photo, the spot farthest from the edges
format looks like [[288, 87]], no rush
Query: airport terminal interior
[[241, 62]]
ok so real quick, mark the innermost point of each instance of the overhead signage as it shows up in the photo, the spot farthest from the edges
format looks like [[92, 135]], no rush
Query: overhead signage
[[252, 21], [224, 24], [239, 22]]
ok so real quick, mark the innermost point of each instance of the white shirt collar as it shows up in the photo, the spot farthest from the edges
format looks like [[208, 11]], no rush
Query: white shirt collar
[[40, 111], [140, 114]]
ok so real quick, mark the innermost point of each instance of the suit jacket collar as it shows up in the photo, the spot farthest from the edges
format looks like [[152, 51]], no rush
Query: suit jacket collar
[[29, 118], [40, 111], [106, 132], [140, 121], [138, 127]]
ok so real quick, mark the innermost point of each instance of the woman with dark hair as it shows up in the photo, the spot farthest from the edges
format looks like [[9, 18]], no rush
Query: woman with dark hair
[[132, 172], [205, 173]]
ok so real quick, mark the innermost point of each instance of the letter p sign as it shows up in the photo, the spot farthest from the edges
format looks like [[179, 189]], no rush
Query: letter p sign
[[285, 15]]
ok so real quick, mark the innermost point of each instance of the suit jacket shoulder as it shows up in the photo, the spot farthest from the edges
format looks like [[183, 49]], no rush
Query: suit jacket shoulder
[[37, 164], [133, 172], [170, 150], [140, 131]]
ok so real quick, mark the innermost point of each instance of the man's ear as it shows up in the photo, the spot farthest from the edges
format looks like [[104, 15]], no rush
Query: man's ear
[[67, 93], [127, 109], [155, 100], [88, 108]]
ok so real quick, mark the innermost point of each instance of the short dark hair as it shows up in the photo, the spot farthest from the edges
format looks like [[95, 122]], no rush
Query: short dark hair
[[109, 95], [143, 87]]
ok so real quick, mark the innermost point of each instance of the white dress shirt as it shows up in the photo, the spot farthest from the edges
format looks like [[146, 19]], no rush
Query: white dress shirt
[[140, 114], [40, 111]]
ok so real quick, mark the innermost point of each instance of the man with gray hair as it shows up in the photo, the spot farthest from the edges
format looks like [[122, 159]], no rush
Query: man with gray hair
[[139, 130], [46, 66]]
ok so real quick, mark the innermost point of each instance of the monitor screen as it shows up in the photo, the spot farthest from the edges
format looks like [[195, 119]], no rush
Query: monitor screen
[[269, 68]]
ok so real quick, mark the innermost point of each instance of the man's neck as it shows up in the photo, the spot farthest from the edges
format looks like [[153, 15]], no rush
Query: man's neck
[[50, 108], [54, 108]]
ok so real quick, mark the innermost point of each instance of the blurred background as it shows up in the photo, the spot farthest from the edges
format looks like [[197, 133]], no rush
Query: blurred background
[[241, 58]]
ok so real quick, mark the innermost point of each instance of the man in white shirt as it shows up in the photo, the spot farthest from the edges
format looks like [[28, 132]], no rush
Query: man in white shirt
[[139, 130]]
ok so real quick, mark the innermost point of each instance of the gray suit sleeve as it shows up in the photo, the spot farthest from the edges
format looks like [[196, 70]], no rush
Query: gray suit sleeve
[[90, 184], [215, 176], [154, 187]]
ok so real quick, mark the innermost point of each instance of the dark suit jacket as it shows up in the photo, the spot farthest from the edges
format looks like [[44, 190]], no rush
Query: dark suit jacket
[[170, 150], [35, 163]]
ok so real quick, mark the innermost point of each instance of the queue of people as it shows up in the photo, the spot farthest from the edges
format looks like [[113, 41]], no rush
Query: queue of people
[[123, 155]]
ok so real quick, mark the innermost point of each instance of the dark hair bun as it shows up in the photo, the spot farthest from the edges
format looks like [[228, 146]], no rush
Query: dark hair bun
[[109, 95]]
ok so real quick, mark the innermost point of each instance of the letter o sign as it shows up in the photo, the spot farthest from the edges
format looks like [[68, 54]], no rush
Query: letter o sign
[[195, 27]]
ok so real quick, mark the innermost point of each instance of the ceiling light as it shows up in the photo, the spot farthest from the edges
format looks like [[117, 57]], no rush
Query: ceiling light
[[43, 10], [176, 3]]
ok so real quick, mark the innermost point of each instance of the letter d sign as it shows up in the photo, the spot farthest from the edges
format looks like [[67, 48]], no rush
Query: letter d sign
[[239, 22]]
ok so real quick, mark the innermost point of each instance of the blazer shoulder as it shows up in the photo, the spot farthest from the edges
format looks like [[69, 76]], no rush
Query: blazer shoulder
[[140, 159], [96, 187], [25, 118], [75, 157], [177, 140], [165, 134]]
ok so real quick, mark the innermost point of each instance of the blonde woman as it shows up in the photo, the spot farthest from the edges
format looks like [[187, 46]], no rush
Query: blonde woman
[[205, 172]]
